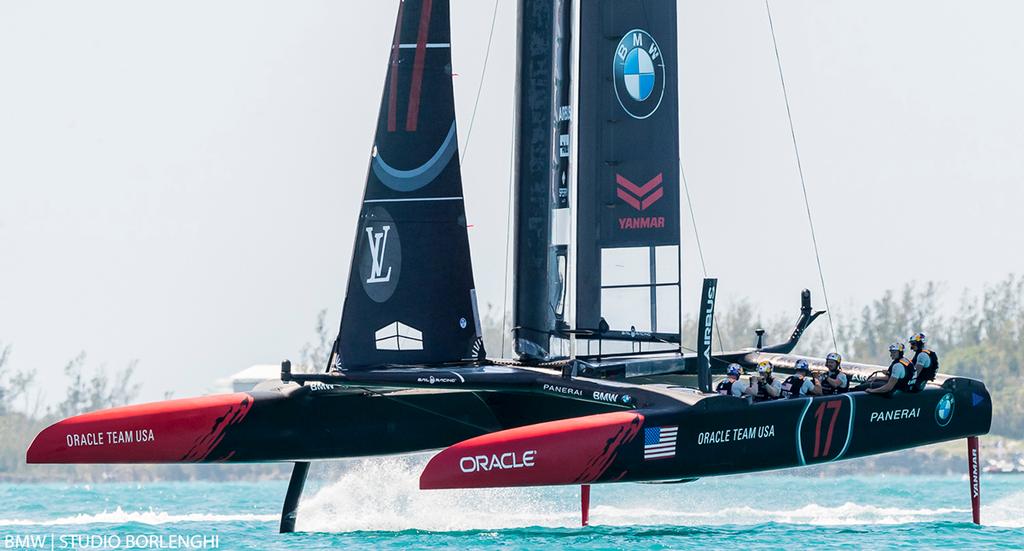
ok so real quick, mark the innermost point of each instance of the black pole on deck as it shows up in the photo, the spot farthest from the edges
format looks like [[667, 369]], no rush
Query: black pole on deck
[[705, 324]]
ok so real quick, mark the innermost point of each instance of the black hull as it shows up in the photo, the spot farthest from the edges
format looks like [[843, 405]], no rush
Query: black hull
[[717, 435], [725, 435]]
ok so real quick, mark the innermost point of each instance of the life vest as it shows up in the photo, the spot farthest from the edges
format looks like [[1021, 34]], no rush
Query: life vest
[[827, 388], [724, 387], [927, 374], [791, 388], [762, 389], [908, 374]]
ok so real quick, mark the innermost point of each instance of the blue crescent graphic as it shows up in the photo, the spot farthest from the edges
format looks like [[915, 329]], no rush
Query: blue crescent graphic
[[416, 178]]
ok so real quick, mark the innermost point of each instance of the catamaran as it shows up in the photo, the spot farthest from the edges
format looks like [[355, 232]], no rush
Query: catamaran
[[601, 388]]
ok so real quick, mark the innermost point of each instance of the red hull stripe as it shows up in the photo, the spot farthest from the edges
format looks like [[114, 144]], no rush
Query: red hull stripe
[[569, 451], [417, 68], [172, 431]]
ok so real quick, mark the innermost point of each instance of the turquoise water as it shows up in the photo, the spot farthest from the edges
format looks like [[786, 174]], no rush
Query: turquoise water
[[375, 503]]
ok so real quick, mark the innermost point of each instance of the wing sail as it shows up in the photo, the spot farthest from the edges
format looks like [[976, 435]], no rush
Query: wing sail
[[628, 186], [411, 297]]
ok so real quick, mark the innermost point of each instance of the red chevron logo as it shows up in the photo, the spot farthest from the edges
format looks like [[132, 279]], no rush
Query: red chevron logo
[[639, 197]]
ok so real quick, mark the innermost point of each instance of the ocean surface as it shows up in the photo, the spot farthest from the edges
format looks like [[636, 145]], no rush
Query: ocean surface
[[375, 503]]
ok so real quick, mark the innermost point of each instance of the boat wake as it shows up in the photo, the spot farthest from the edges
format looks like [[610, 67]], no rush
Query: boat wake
[[383, 495], [120, 516]]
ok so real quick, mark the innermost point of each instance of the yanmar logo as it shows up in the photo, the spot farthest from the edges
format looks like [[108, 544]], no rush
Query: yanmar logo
[[502, 461], [640, 197]]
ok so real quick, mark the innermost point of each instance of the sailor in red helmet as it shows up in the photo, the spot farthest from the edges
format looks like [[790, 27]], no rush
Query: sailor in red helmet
[[925, 362], [899, 374]]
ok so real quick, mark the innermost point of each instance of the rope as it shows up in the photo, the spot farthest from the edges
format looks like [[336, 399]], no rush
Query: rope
[[479, 89], [700, 250], [508, 236], [800, 169]]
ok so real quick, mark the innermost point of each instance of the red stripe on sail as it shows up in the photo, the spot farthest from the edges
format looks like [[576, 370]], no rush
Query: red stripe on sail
[[417, 68], [393, 78]]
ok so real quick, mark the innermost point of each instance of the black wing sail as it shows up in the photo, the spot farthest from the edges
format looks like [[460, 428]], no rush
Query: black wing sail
[[411, 297], [628, 184]]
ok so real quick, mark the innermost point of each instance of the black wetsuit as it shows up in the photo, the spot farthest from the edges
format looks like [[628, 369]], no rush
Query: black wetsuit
[[828, 389], [908, 374], [725, 387], [922, 377], [791, 388], [762, 390]]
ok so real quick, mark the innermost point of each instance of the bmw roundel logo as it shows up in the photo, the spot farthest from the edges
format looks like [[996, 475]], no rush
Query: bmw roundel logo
[[944, 409], [639, 70]]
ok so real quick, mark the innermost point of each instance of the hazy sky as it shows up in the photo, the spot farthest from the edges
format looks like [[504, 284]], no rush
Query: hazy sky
[[179, 181]]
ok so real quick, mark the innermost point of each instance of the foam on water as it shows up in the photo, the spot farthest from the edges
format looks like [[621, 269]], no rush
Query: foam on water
[[1007, 512], [119, 516], [382, 494]]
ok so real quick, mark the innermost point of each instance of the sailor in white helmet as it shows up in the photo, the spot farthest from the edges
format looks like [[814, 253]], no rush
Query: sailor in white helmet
[[733, 385]]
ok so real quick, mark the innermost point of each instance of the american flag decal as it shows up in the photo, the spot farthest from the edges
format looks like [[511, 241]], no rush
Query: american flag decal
[[660, 442]]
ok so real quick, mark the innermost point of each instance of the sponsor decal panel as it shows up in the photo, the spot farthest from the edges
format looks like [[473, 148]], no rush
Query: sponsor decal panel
[[380, 259], [567, 390], [568, 451], [944, 409], [398, 336], [660, 442], [638, 69], [110, 437], [894, 415], [502, 460], [434, 380], [735, 434]]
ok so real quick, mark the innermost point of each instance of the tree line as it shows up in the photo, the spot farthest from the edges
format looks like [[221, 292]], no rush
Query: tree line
[[980, 337]]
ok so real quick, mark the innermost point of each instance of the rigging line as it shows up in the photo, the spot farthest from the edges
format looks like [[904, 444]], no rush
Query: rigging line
[[800, 170], [700, 249], [508, 235], [480, 87]]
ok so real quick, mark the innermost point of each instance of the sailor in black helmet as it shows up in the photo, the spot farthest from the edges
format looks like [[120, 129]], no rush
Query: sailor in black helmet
[[834, 381], [925, 362], [732, 385], [899, 374], [799, 384]]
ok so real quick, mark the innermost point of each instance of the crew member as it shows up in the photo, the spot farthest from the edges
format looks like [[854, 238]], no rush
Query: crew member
[[768, 386], [899, 374], [834, 381], [925, 362], [732, 385], [799, 384]]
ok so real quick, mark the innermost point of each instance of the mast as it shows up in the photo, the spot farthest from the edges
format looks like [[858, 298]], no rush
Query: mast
[[541, 169]]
